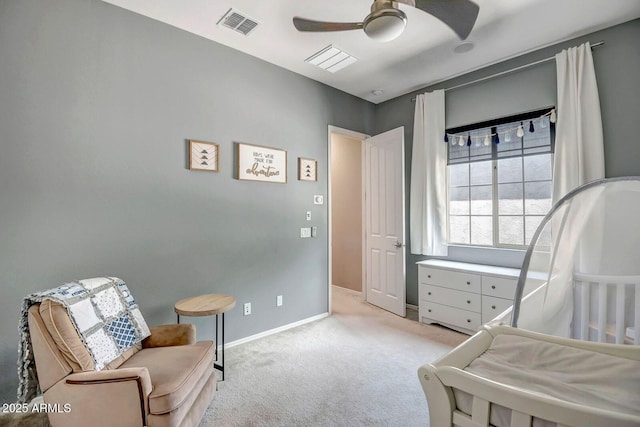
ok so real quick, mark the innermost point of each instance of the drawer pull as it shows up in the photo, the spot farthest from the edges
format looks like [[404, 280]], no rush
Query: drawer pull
[[468, 283], [468, 301], [429, 310], [468, 320], [493, 307], [493, 286], [428, 293]]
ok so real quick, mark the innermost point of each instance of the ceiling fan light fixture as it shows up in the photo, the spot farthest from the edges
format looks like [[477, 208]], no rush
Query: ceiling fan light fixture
[[385, 25], [386, 21]]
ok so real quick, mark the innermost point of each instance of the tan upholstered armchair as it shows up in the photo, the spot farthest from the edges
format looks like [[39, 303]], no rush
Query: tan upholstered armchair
[[166, 381]]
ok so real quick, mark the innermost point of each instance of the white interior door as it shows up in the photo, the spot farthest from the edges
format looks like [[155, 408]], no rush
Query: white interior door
[[384, 221]]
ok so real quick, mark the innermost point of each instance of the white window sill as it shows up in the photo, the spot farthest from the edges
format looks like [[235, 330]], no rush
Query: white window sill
[[487, 248]]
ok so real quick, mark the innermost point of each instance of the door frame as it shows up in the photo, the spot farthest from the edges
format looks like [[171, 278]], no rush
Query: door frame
[[357, 135]]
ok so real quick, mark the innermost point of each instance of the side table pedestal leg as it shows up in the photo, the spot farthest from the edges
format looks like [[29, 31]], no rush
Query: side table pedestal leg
[[219, 366]]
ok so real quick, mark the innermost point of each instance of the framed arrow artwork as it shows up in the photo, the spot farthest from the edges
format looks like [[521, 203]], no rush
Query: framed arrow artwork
[[307, 169], [203, 156]]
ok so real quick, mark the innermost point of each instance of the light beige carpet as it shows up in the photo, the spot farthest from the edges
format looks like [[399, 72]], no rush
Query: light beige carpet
[[355, 368]]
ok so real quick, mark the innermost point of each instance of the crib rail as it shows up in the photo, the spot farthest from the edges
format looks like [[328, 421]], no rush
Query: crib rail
[[604, 307], [442, 377], [525, 405]]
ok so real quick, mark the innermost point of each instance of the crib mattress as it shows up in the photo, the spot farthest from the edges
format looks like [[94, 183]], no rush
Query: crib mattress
[[574, 375]]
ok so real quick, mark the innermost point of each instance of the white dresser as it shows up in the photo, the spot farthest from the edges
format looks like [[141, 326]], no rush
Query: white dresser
[[463, 296]]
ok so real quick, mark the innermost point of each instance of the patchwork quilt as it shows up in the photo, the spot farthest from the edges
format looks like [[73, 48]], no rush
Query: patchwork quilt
[[104, 314]]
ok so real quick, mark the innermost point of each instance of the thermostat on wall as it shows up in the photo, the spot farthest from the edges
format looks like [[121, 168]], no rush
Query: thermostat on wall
[[318, 199]]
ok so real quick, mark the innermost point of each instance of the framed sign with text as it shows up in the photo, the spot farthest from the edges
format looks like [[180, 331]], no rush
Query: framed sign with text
[[257, 163]]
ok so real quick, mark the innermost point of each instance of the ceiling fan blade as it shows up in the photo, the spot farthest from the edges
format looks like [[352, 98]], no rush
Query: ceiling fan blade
[[303, 24], [459, 15]]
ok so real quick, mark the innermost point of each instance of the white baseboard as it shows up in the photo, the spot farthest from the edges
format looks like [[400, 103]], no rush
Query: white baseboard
[[412, 307], [275, 330]]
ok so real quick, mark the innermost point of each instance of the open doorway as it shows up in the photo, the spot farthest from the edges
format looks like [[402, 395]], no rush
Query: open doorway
[[367, 221], [346, 195]]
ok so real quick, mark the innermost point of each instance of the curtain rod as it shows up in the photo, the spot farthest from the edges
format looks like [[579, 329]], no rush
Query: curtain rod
[[481, 79]]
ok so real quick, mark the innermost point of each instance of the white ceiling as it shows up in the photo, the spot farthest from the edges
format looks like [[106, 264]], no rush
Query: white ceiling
[[421, 56]]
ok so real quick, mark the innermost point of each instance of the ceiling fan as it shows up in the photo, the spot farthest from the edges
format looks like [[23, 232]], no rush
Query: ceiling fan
[[386, 21]]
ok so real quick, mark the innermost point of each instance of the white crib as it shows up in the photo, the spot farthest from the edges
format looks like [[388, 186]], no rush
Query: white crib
[[570, 355], [603, 323], [457, 396]]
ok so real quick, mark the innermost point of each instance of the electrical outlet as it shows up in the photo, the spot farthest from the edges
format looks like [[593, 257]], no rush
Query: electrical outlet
[[247, 308], [279, 301], [308, 215]]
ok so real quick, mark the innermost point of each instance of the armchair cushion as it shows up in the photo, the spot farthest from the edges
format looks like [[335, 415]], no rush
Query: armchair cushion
[[175, 372], [56, 319], [170, 335], [52, 366]]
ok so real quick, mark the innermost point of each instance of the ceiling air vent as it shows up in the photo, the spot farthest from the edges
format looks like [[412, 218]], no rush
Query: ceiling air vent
[[238, 21], [331, 59]]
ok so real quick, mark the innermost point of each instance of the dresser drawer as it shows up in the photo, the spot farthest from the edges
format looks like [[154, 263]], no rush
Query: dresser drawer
[[492, 306], [450, 315], [458, 299], [450, 279], [499, 287]]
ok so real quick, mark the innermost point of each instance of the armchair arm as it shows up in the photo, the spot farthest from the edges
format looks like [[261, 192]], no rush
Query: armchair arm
[[169, 335], [139, 374], [101, 398]]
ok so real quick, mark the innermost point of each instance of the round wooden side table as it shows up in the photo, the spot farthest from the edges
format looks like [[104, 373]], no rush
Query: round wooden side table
[[208, 305]]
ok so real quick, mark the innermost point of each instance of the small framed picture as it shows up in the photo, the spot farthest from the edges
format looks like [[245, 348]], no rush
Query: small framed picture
[[307, 169], [203, 156]]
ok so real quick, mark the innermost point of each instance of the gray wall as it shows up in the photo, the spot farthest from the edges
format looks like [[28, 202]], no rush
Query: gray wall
[[96, 106], [617, 65]]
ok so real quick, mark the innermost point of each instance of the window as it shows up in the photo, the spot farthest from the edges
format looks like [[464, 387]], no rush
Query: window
[[499, 183]]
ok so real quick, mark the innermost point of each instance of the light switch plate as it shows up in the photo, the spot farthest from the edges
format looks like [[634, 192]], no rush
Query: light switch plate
[[305, 232], [318, 199], [314, 231]]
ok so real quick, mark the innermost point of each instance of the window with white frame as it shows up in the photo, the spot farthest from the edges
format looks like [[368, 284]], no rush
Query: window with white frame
[[500, 179]]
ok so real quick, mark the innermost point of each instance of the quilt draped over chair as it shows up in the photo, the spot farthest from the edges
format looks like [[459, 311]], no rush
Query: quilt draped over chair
[[104, 314]]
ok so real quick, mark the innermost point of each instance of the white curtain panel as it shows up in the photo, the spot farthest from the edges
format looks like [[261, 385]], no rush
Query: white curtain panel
[[579, 147], [428, 198]]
